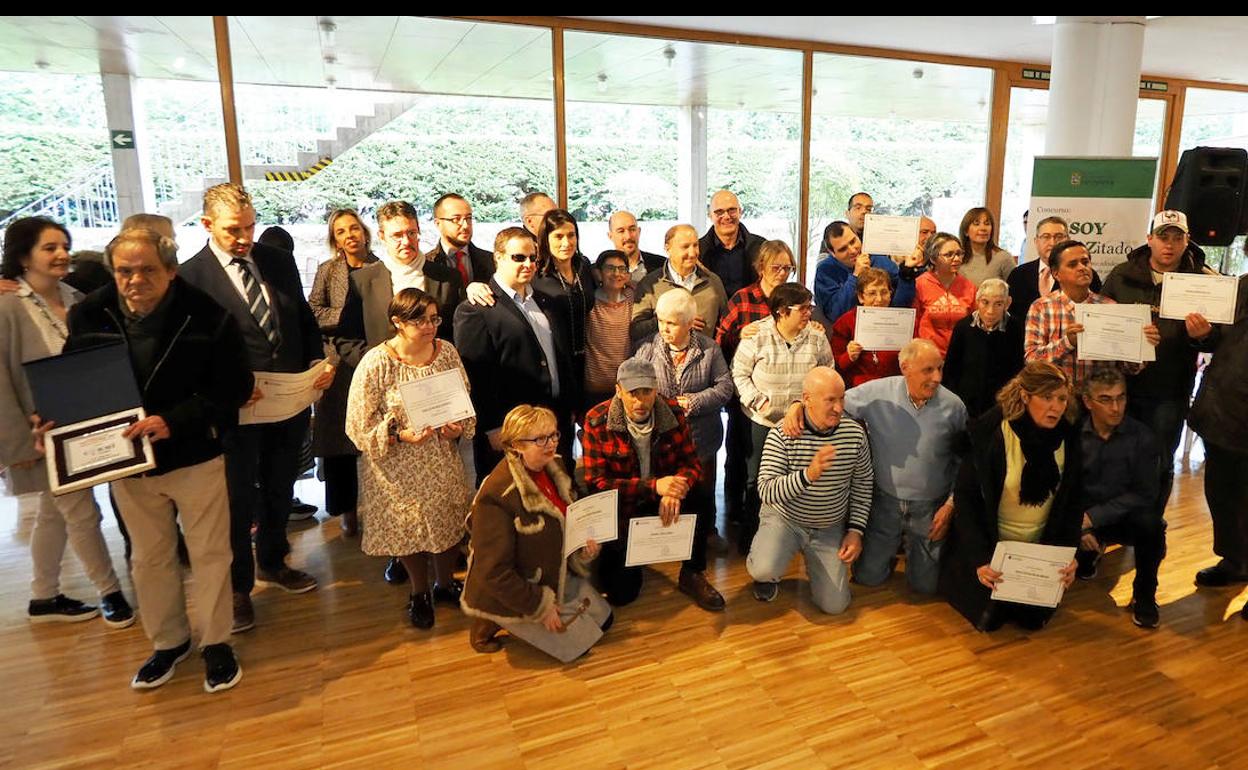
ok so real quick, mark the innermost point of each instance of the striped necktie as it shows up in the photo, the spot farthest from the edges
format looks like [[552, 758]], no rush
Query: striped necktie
[[255, 301]]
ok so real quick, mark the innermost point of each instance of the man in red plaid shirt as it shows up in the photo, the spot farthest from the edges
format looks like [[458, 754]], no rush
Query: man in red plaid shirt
[[1052, 333], [640, 445]]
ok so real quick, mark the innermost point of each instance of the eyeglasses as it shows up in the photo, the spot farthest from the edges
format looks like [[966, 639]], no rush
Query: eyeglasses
[[543, 441], [423, 321], [779, 269], [1051, 237], [615, 269], [457, 221], [521, 258], [959, 254], [411, 235], [1110, 400], [804, 309], [731, 213]]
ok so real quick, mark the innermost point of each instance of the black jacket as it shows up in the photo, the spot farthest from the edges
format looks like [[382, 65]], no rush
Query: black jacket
[[201, 376], [300, 342], [365, 323], [1172, 375], [1220, 412], [976, 498], [979, 363], [714, 257], [482, 261], [504, 360]]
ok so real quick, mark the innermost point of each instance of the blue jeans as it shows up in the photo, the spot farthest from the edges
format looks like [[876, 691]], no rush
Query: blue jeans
[[890, 518], [776, 542]]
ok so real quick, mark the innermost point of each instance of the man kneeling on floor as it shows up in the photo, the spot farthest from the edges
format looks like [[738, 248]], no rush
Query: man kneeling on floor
[[816, 497], [640, 445], [1120, 486]]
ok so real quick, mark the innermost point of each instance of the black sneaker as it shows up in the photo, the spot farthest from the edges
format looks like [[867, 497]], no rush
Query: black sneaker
[[395, 572], [1086, 561], [450, 593], [420, 610], [1145, 613], [301, 511], [221, 669], [765, 591], [159, 668], [1219, 575], [116, 610], [59, 609]]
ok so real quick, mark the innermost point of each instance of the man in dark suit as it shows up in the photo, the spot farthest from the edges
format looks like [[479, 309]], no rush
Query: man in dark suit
[[259, 286], [625, 235], [1032, 280], [515, 351], [452, 215]]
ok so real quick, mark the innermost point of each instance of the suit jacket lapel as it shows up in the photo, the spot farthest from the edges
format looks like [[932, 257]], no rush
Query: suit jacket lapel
[[226, 294]]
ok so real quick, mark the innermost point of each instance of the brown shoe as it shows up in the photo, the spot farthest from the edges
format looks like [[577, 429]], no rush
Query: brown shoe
[[481, 636], [292, 581], [244, 614], [697, 587], [350, 523]]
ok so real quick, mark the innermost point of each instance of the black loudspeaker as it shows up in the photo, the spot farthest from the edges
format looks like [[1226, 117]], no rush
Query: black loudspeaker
[[1210, 186]]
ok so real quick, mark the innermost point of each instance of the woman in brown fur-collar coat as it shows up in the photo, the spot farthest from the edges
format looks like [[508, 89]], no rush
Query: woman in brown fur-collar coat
[[517, 577]]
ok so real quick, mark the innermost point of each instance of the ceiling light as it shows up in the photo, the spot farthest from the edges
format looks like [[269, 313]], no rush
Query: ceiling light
[[602, 82], [331, 82], [669, 53], [330, 59], [42, 64], [329, 32]]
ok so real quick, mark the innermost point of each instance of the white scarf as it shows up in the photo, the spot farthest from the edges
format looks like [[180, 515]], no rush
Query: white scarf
[[409, 276]]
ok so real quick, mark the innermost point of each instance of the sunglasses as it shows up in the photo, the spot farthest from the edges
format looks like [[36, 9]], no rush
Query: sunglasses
[[522, 258]]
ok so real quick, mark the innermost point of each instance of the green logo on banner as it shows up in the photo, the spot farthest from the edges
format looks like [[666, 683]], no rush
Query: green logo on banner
[[1094, 177]]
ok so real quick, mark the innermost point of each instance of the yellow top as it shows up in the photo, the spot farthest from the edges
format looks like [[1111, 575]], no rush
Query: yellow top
[[1016, 521]]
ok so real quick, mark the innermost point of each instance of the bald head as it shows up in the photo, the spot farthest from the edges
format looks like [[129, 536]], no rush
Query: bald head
[[532, 208], [725, 213], [923, 366], [625, 233], [823, 397]]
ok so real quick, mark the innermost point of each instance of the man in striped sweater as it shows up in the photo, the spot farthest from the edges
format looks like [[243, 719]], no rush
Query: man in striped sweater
[[816, 496]]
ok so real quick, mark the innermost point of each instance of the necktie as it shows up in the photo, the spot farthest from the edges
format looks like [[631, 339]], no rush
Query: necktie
[[460, 266], [255, 301]]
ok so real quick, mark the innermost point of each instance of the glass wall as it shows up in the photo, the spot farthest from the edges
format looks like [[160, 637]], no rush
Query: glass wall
[[912, 134], [445, 106], [656, 126], [1029, 109], [1217, 119]]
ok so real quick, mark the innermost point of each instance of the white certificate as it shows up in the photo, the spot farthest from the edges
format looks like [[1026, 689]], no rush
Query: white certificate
[[436, 400], [286, 394], [1141, 312], [1213, 296], [1111, 336], [649, 542], [101, 448], [592, 518], [1030, 572], [895, 236], [884, 328]]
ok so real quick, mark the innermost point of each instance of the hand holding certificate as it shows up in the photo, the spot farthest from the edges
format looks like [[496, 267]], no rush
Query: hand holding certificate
[[1030, 573], [1114, 333], [436, 400], [1212, 296], [286, 394], [884, 328], [890, 235], [592, 518], [649, 542]]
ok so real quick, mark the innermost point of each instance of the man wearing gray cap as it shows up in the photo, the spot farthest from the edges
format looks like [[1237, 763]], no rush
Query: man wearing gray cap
[[640, 445]]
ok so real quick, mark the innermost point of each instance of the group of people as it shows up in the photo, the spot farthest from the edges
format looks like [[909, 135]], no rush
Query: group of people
[[987, 426]]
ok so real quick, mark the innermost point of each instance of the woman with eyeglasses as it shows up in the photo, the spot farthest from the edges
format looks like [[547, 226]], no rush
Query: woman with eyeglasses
[[942, 296], [413, 495], [768, 370], [518, 578], [349, 241], [855, 364], [606, 331]]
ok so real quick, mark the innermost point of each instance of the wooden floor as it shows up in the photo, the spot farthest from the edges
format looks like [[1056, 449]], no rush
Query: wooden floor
[[337, 678]]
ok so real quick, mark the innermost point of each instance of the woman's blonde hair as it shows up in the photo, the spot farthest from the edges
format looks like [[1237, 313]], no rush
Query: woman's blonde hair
[[1038, 378], [521, 421]]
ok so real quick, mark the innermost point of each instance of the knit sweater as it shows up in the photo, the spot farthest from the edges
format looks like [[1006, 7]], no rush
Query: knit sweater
[[842, 492]]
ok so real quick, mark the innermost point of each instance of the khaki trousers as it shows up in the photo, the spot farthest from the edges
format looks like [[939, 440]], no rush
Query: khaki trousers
[[71, 518], [147, 504]]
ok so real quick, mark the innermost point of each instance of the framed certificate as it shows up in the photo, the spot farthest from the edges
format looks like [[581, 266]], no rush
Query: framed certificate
[[93, 452]]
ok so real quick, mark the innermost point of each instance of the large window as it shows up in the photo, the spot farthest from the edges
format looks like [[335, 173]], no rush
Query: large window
[[912, 134], [1217, 119], [1029, 111], [655, 127]]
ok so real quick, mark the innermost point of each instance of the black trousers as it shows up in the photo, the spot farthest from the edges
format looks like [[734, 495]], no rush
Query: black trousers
[[342, 485], [737, 448], [1165, 419], [261, 463], [1145, 530], [621, 584], [1226, 492]]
